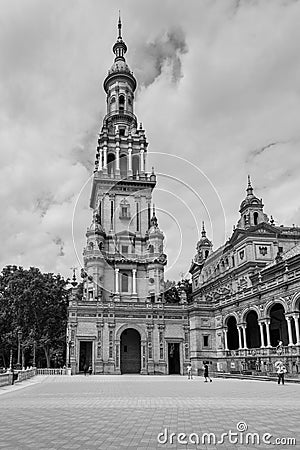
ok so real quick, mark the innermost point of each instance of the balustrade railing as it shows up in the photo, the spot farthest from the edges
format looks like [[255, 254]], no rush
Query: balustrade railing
[[48, 371], [25, 374], [264, 351], [16, 376], [5, 379]]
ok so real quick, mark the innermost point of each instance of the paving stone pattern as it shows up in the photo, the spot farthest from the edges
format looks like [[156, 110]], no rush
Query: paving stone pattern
[[128, 412]]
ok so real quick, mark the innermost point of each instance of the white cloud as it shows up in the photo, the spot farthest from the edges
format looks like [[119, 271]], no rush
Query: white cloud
[[218, 83]]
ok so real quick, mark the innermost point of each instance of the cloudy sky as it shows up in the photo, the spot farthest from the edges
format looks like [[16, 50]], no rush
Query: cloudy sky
[[218, 96]]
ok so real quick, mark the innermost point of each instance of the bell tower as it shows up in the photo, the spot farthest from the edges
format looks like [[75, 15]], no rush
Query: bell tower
[[124, 259], [120, 258]]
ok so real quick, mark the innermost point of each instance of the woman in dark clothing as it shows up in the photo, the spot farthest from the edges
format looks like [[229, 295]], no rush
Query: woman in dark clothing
[[206, 373]]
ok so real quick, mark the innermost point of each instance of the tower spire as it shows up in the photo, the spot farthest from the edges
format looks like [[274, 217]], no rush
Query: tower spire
[[203, 233], [249, 188], [120, 25], [120, 47]]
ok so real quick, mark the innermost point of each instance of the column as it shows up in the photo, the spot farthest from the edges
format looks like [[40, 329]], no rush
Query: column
[[117, 159], [134, 281], [244, 337], [100, 159], [105, 158], [117, 280], [261, 329], [268, 333], [225, 338], [142, 160], [129, 159], [289, 324], [296, 320], [118, 355], [143, 357], [99, 341], [145, 162], [240, 337]]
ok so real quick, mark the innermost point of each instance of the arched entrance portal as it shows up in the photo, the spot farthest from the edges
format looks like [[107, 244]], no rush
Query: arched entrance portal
[[130, 351]]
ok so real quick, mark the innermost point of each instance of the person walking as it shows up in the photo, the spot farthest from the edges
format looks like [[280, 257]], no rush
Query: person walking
[[189, 371], [85, 369], [280, 372], [206, 376]]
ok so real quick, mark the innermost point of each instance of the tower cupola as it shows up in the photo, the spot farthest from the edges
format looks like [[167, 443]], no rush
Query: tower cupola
[[204, 246], [251, 209]]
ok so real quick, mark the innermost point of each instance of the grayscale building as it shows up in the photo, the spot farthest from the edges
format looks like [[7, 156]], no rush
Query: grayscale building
[[245, 309], [120, 322]]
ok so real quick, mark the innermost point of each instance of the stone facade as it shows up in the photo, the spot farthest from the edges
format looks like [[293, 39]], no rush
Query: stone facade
[[245, 309], [120, 323], [244, 312]]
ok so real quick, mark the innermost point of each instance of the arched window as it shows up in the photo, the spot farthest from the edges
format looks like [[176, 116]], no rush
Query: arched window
[[121, 102], [135, 165], [112, 103], [206, 253], [123, 166], [111, 164], [255, 218]]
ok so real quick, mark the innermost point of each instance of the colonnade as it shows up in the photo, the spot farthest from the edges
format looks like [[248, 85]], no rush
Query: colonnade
[[265, 338], [141, 155]]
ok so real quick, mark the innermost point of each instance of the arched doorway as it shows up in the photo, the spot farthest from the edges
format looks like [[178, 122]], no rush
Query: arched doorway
[[130, 351], [278, 325], [232, 334], [252, 330]]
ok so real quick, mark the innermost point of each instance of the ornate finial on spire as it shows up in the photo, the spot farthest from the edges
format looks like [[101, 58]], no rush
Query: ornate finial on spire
[[203, 233], [120, 47], [74, 282], [120, 25], [153, 220], [249, 188]]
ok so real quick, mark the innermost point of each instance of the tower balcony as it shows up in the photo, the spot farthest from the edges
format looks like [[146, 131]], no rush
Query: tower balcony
[[120, 116], [117, 177]]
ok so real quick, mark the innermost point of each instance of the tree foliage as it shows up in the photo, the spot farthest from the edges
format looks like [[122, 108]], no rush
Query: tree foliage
[[173, 290], [34, 304]]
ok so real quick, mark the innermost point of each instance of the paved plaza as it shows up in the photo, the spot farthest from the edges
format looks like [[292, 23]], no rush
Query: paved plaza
[[116, 412]]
